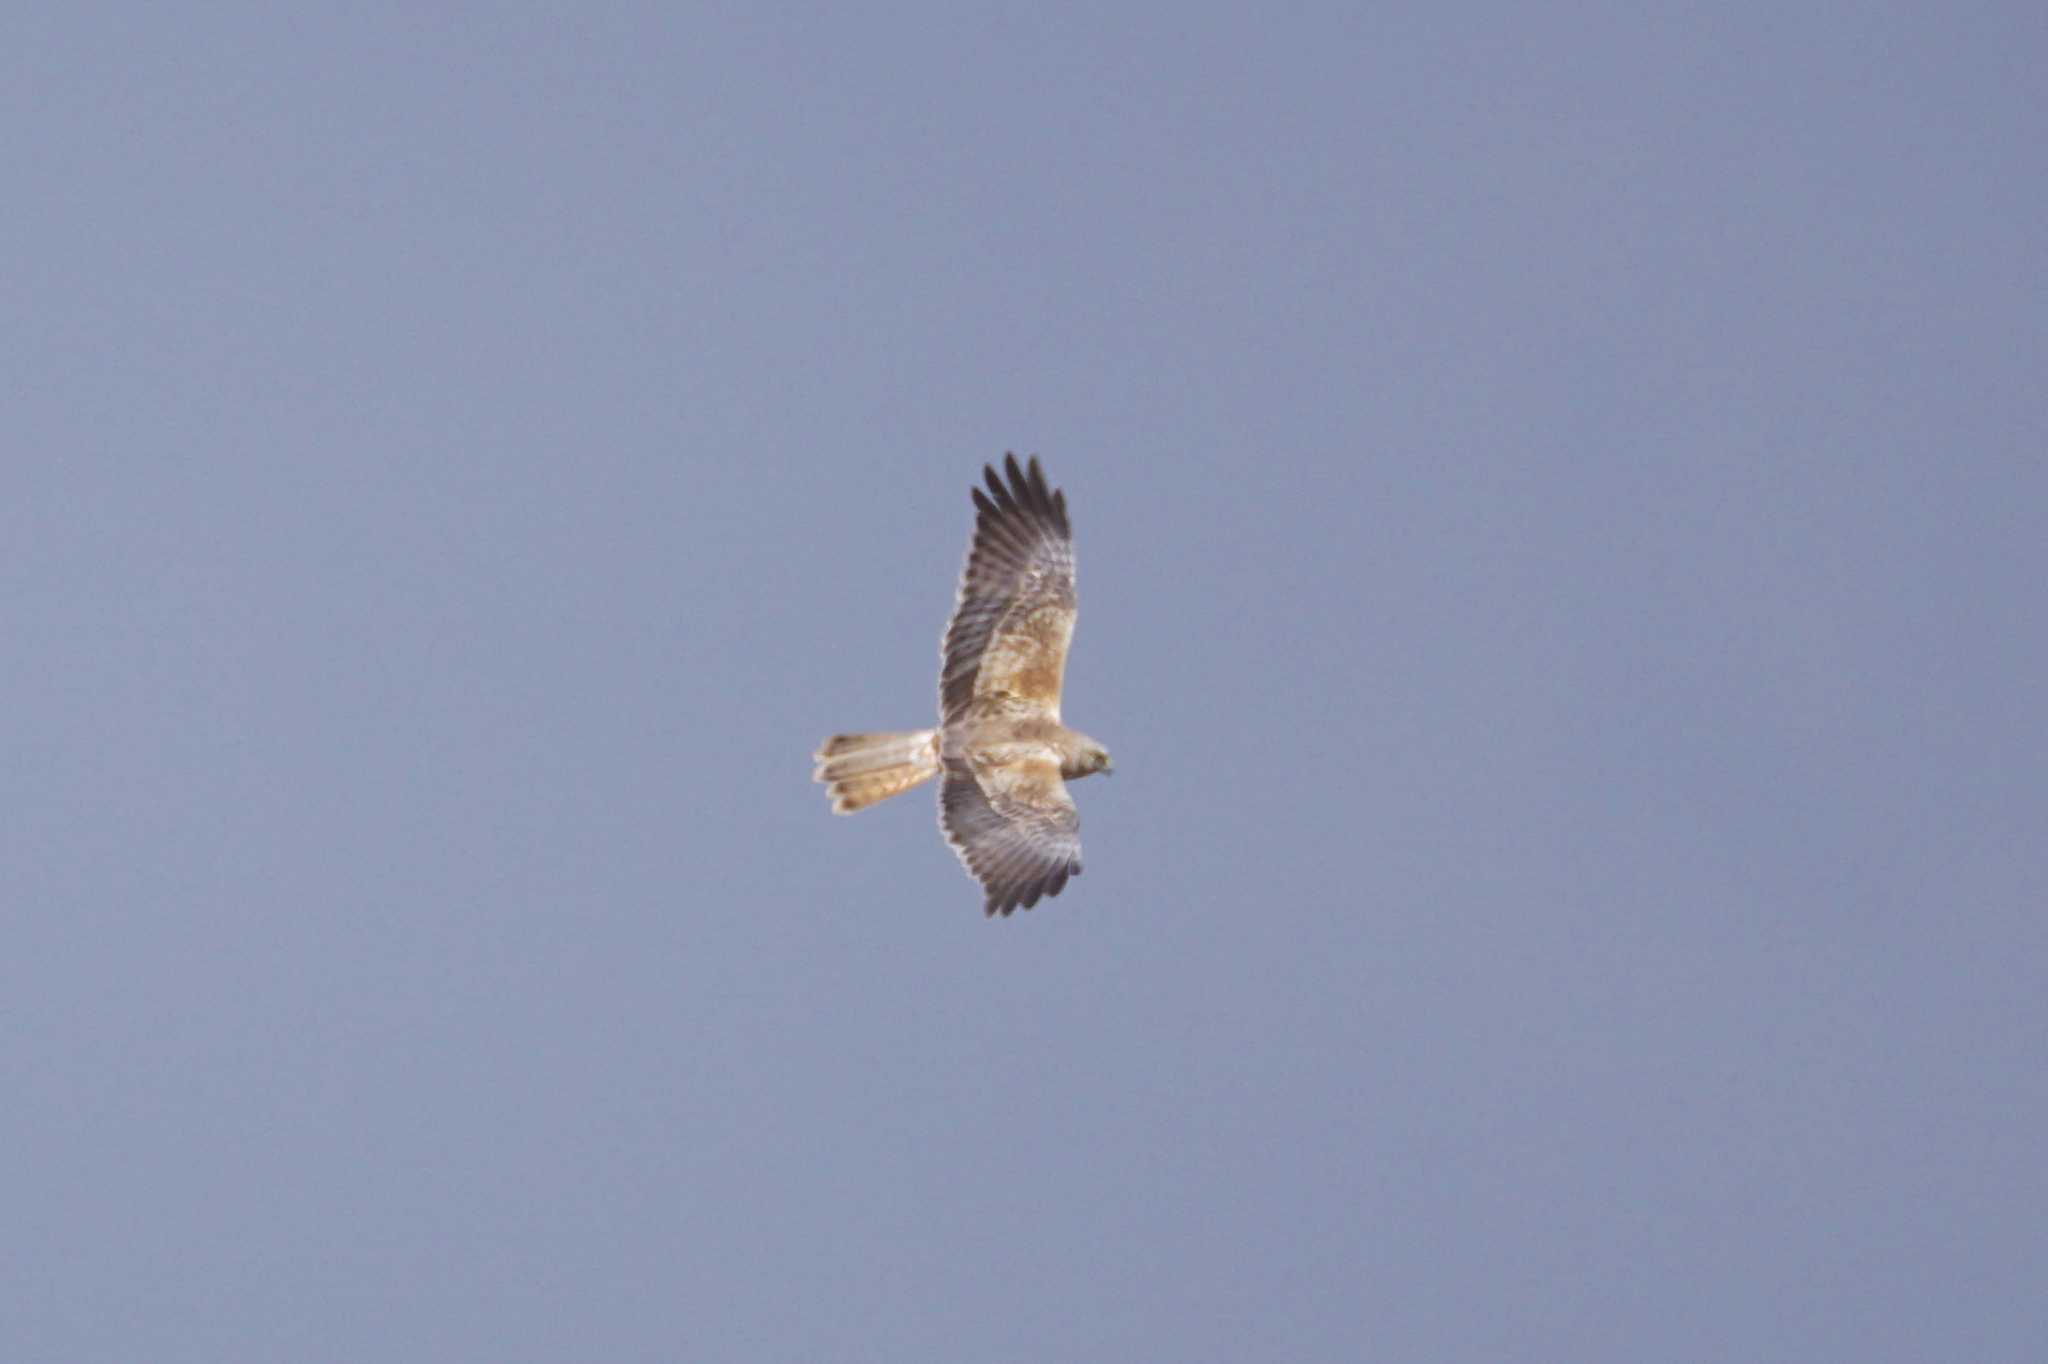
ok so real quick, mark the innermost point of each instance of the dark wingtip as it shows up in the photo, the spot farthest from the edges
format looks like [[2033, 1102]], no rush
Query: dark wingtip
[[1009, 899], [1022, 487], [995, 485], [1034, 485]]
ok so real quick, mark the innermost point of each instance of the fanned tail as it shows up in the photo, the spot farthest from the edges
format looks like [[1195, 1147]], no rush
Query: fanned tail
[[861, 769]]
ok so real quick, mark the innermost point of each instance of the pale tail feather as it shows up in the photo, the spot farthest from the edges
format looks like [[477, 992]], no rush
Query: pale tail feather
[[861, 769]]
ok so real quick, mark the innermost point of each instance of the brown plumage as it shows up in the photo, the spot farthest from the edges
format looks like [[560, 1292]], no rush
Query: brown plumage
[[1001, 749], [860, 769]]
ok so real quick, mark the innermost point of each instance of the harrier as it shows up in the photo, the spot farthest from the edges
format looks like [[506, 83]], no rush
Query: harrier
[[1002, 755]]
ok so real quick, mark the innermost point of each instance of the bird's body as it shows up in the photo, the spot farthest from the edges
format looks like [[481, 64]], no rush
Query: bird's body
[[1003, 754]]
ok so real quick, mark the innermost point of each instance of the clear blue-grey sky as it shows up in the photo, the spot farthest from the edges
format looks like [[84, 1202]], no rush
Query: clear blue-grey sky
[[1562, 505]]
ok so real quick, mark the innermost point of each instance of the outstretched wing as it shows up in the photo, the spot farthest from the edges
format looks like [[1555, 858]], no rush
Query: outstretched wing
[[1010, 630], [1014, 826]]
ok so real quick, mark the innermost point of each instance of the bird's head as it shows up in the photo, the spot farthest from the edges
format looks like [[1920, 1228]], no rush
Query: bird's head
[[1088, 758]]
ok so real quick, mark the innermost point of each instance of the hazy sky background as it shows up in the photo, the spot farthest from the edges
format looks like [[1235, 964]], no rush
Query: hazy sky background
[[1562, 501]]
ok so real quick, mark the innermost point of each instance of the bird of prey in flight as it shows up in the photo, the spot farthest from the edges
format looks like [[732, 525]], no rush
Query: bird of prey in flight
[[1000, 751]]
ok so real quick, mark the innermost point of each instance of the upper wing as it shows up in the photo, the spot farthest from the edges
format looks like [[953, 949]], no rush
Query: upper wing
[[1014, 826], [1015, 616]]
